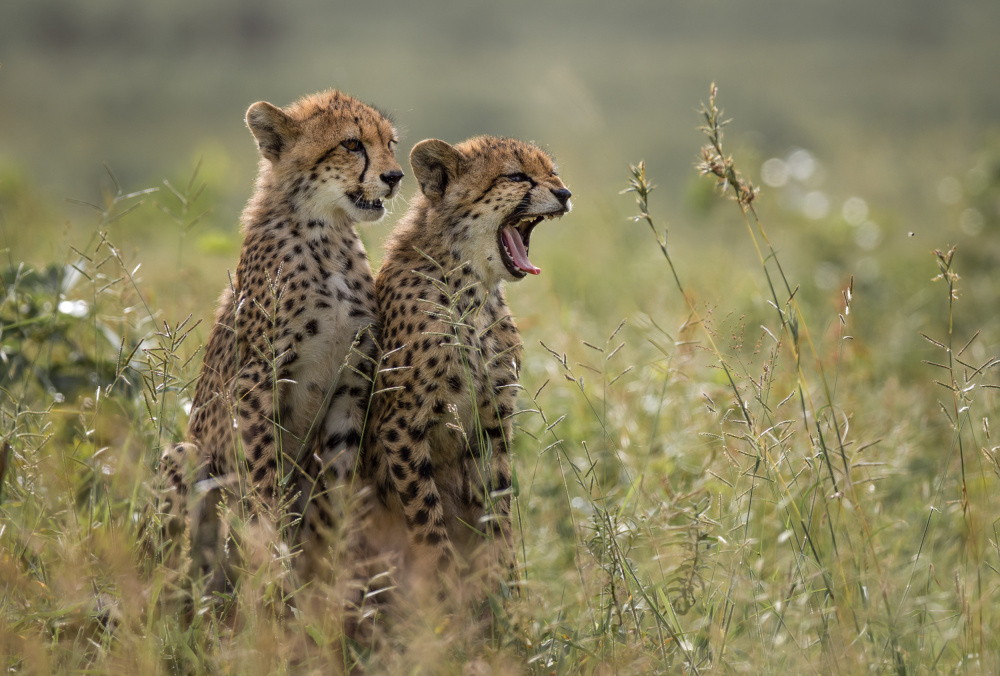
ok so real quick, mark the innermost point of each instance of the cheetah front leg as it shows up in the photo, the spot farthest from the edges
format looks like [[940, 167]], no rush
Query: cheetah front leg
[[331, 465], [347, 414], [261, 432], [495, 520], [181, 465], [404, 437], [187, 538]]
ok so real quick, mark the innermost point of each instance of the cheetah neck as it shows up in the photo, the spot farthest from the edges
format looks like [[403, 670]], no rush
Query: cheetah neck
[[423, 239], [273, 208], [336, 223]]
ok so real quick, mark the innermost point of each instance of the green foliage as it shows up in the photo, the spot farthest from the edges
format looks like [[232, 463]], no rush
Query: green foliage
[[780, 478]]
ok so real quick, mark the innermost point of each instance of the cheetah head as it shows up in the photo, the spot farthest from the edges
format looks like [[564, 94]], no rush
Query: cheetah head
[[331, 153], [492, 192]]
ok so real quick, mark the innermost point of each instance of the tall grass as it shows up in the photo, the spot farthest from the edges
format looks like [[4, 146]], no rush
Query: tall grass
[[807, 548], [694, 493]]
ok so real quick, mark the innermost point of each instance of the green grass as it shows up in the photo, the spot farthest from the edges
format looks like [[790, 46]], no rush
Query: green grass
[[720, 466]]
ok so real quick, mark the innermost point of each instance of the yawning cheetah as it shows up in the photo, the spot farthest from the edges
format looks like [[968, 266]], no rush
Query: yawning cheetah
[[441, 430]]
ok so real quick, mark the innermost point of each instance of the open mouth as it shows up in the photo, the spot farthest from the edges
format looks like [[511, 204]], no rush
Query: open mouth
[[365, 205], [513, 238]]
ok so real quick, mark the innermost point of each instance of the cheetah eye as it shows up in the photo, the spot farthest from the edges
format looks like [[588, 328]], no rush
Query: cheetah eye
[[392, 143], [352, 144], [517, 178]]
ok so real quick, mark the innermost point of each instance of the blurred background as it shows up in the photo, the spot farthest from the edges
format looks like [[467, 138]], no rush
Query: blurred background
[[871, 127], [873, 130]]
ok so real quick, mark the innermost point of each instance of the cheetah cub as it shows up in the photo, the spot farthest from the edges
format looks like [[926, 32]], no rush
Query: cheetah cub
[[447, 386], [285, 365]]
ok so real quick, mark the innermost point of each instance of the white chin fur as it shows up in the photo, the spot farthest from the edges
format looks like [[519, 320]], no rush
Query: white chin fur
[[366, 215], [335, 205], [486, 261]]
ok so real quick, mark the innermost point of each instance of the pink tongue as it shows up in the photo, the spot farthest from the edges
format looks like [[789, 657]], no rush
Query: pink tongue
[[512, 238]]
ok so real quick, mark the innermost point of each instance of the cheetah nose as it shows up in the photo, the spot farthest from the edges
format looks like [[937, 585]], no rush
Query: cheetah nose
[[563, 195], [392, 178]]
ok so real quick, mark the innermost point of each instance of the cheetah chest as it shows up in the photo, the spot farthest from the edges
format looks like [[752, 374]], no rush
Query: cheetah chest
[[482, 382], [323, 329]]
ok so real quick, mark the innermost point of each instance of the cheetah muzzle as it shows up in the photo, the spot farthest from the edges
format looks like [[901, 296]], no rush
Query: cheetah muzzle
[[358, 199]]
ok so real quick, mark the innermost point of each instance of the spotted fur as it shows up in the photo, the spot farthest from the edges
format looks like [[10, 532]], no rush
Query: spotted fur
[[280, 404], [439, 457]]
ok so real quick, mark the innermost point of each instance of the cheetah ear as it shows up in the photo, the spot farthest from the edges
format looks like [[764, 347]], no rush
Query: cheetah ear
[[435, 164], [273, 129]]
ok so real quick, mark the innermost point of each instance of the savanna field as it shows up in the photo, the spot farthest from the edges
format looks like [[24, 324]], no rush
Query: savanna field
[[758, 429]]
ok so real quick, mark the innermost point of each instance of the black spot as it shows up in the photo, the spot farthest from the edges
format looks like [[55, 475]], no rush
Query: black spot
[[312, 327], [502, 482], [353, 438], [418, 433], [410, 494]]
